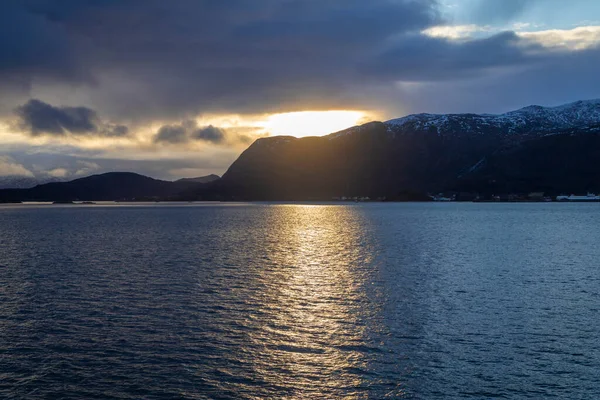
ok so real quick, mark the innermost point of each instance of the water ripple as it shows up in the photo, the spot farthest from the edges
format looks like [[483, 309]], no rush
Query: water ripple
[[299, 301]]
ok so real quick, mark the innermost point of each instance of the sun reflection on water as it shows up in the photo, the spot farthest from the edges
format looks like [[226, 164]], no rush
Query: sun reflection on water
[[313, 343]]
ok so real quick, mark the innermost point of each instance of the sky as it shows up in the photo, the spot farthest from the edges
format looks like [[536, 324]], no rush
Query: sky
[[180, 88]]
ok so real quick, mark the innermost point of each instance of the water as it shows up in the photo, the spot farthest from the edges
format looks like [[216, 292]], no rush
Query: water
[[300, 301]]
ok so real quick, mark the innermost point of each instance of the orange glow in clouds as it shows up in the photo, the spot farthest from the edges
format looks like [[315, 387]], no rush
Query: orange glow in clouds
[[312, 123]]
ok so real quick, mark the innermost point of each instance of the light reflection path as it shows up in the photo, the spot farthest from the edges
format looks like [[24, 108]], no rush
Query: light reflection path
[[314, 341]]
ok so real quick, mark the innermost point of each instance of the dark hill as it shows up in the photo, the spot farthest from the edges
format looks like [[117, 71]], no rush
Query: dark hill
[[200, 179], [108, 186]]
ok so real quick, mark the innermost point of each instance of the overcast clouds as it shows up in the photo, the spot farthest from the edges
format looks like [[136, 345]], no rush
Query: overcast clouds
[[131, 80]]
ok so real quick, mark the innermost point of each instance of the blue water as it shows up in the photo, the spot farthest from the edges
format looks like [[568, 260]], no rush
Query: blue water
[[252, 301]]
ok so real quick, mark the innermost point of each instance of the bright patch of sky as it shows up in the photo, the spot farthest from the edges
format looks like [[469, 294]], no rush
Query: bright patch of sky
[[530, 15], [554, 24]]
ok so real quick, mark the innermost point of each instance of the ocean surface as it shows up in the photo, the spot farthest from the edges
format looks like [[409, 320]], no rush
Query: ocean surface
[[300, 301]]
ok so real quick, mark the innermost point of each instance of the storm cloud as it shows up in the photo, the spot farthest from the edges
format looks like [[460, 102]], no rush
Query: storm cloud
[[170, 59], [39, 118], [158, 60]]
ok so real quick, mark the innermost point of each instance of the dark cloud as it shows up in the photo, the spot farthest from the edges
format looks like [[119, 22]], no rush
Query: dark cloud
[[189, 131], [159, 60], [32, 44], [170, 59], [117, 130], [39, 118], [209, 134], [171, 134], [434, 59]]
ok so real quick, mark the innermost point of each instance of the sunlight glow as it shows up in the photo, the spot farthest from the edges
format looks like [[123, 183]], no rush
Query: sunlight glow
[[313, 123]]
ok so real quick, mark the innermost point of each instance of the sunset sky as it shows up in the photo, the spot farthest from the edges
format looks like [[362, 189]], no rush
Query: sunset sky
[[179, 88]]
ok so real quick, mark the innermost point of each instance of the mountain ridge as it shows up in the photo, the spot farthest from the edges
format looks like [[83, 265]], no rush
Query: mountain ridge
[[413, 154], [563, 116], [400, 159]]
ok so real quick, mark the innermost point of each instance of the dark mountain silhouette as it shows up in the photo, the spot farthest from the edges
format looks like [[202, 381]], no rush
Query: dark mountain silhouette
[[368, 161], [536, 148], [109, 186], [565, 162], [533, 149], [200, 179]]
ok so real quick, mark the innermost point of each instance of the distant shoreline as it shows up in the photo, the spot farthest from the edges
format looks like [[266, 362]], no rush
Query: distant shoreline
[[338, 202]]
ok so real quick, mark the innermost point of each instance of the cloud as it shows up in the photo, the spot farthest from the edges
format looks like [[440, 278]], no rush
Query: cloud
[[116, 130], [31, 44], [85, 168], [39, 118], [432, 59], [9, 167], [456, 32], [176, 58], [209, 134], [188, 131], [580, 38], [58, 173], [171, 134]]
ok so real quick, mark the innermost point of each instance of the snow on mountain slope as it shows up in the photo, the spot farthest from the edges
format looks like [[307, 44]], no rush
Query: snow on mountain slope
[[23, 182], [532, 119]]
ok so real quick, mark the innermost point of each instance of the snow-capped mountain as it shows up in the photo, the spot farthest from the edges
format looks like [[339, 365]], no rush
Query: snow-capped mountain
[[23, 182], [529, 120], [546, 149]]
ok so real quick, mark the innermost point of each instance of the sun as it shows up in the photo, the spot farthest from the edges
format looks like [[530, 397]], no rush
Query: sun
[[312, 123]]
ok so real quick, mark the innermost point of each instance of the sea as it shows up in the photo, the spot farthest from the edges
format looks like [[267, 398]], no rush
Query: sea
[[300, 301]]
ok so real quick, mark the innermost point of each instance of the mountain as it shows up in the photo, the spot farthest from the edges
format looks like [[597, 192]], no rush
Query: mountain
[[407, 157], [108, 186], [564, 162], [23, 182], [532, 120], [201, 179], [549, 149]]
